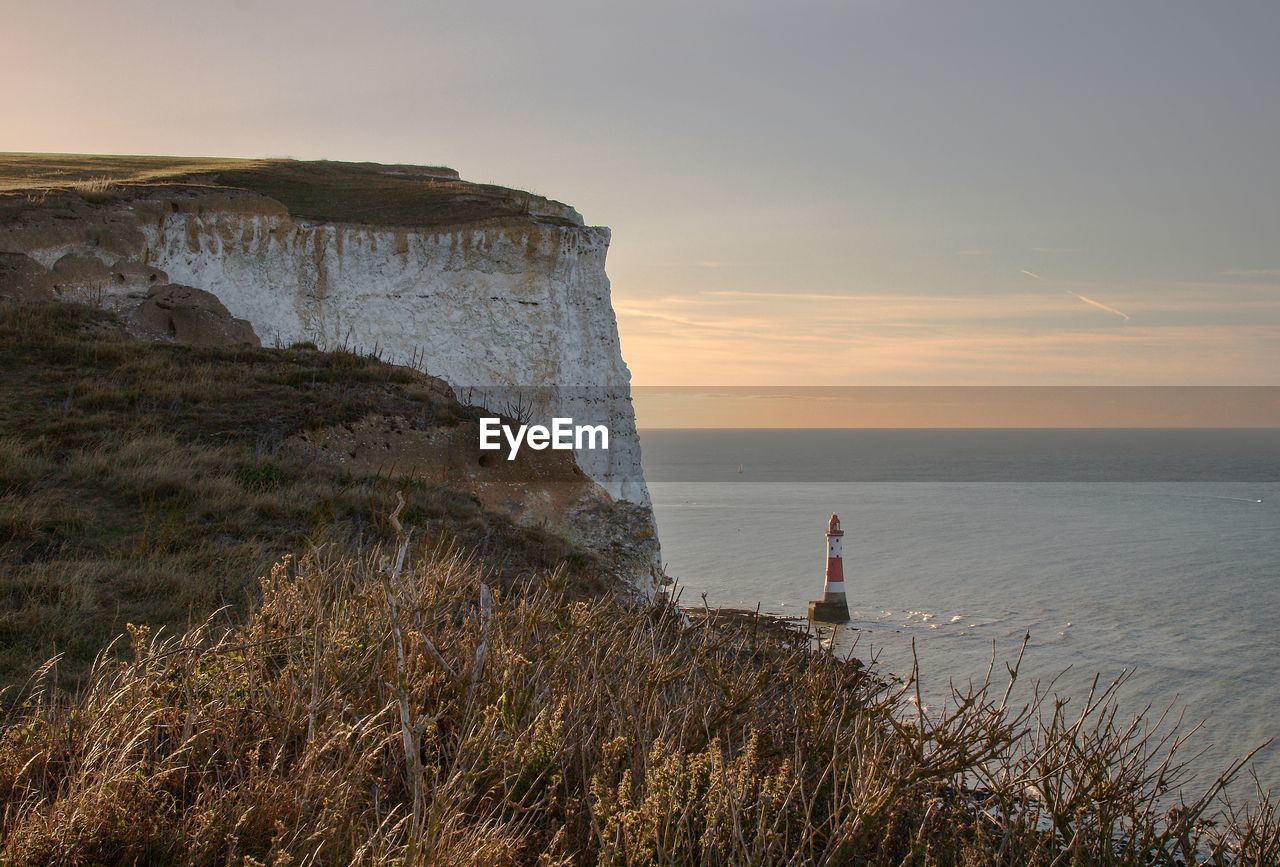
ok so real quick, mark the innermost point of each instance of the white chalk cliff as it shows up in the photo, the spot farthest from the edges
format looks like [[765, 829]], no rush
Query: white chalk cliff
[[502, 294], [485, 309]]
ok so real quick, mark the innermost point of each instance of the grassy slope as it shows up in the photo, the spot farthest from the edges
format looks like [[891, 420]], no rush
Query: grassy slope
[[372, 715], [367, 193], [141, 482]]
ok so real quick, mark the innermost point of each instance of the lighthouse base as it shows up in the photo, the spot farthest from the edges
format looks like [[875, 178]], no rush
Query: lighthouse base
[[823, 611]]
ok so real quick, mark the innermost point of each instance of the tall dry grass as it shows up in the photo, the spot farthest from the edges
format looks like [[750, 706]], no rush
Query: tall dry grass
[[393, 708]]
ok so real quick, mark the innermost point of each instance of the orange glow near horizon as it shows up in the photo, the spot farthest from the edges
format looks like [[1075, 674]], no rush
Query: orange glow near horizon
[[1211, 333], [957, 407]]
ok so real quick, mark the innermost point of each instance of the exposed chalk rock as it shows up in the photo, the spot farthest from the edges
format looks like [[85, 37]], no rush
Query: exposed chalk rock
[[506, 315]]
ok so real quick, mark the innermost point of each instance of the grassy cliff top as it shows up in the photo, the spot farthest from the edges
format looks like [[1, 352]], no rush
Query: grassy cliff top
[[151, 483], [365, 193]]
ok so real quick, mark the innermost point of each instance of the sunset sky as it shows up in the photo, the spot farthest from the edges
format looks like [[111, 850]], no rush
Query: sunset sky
[[802, 193]]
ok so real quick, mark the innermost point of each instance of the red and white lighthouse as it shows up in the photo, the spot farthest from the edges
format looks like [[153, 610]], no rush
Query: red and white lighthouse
[[833, 606]]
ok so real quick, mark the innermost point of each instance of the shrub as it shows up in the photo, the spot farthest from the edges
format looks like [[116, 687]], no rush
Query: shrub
[[261, 477]]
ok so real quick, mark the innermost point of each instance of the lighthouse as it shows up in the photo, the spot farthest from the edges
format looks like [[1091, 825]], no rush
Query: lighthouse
[[832, 607]]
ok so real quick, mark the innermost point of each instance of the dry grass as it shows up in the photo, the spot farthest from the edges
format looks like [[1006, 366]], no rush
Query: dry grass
[[366, 193], [385, 708], [144, 482], [19, 171]]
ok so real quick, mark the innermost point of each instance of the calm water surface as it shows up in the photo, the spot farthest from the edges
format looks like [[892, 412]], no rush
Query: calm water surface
[[1166, 560]]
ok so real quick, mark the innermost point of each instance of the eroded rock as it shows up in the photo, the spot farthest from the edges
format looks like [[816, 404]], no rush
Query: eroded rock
[[189, 315], [24, 278]]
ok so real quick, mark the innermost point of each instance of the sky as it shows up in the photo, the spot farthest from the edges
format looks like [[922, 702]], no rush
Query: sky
[[801, 193]]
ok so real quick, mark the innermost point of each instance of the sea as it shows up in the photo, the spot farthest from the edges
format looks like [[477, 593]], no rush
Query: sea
[[1152, 555]]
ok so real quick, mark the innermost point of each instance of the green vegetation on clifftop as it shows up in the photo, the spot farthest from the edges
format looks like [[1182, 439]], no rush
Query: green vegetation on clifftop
[[365, 193]]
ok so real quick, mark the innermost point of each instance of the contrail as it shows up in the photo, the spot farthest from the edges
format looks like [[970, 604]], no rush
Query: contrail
[[1100, 305], [1124, 316]]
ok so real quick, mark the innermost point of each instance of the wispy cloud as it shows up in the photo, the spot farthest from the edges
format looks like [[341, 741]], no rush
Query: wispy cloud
[[1251, 272], [1031, 274], [1057, 250], [1136, 354], [745, 327], [755, 328], [828, 296], [1224, 330]]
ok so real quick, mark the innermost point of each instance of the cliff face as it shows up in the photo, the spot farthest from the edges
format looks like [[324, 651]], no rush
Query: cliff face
[[508, 314], [500, 293]]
